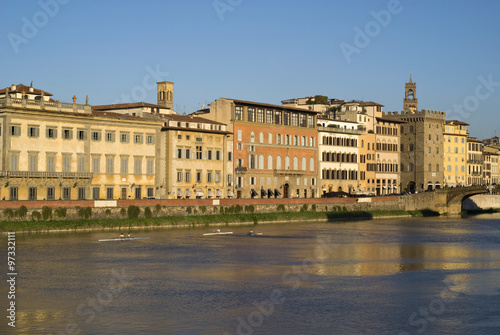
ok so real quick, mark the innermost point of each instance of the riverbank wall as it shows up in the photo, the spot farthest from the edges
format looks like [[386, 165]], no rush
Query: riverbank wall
[[116, 209]]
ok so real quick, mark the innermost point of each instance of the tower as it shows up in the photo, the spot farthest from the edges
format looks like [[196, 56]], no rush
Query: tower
[[165, 94], [410, 100]]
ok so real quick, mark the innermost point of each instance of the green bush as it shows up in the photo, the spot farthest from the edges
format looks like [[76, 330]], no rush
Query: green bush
[[9, 213], [108, 212], [46, 213], [249, 209], [36, 216], [85, 213], [280, 208], [203, 209], [304, 208], [133, 212], [147, 212], [189, 210], [157, 209], [22, 211], [60, 212], [123, 212]]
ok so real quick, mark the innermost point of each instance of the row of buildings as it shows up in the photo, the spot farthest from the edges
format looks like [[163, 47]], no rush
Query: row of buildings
[[303, 148]]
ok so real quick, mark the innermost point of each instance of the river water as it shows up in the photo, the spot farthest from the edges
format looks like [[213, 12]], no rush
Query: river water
[[394, 276]]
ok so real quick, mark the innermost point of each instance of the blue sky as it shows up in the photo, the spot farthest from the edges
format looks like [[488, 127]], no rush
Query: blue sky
[[260, 50]]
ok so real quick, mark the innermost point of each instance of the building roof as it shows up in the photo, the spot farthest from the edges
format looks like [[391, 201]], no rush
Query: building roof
[[119, 115], [126, 106], [20, 88], [459, 123], [253, 103], [190, 118], [369, 103], [389, 119]]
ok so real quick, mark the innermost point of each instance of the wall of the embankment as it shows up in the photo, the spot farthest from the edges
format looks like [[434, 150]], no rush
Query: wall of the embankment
[[481, 202], [102, 209]]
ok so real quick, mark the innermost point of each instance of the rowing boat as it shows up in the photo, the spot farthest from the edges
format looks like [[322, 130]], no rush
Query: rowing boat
[[251, 234], [219, 233], [123, 239]]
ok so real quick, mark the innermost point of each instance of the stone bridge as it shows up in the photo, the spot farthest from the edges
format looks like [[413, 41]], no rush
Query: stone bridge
[[442, 200]]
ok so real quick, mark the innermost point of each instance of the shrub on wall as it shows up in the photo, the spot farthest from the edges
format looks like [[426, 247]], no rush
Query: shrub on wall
[[36, 216], [60, 212], [85, 213], [157, 209], [22, 211], [46, 213], [147, 212], [249, 209], [123, 212], [9, 213], [133, 212], [280, 208], [108, 212]]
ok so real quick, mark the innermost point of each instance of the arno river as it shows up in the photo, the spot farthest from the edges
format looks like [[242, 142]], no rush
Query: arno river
[[394, 276]]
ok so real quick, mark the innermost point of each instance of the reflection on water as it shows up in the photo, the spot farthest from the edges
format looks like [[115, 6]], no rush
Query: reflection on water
[[364, 277]]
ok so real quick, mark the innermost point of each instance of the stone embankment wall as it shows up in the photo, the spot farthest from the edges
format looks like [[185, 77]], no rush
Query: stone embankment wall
[[104, 209], [482, 202]]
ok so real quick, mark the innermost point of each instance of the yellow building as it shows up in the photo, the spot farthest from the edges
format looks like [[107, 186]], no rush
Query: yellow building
[[474, 162], [52, 150], [491, 168], [455, 136]]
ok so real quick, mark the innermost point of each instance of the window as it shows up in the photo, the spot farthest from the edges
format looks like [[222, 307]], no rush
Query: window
[[179, 153], [209, 154], [260, 115], [32, 162], [81, 164], [277, 117], [137, 165], [13, 193], [138, 138], [124, 138], [261, 137], [199, 153], [96, 136], [124, 165], [179, 176], [269, 116], [110, 165], [229, 156], [238, 113], [51, 193], [217, 177], [110, 137], [278, 138], [66, 193], [188, 153], [217, 155], [51, 132], [95, 193], [150, 166], [109, 193], [81, 134], [15, 130], [252, 137], [150, 139], [32, 193], [303, 120], [96, 163], [240, 135], [51, 163], [66, 163], [81, 193], [310, 121], [33, 131], [295, 119], [209, 176], [67, 134], [187, 176], [199, 177], [251, 115], [286, 118]]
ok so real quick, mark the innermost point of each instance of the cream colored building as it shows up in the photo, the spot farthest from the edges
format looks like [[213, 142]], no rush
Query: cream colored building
[[474, 162], [455, 136], [491, 167], [52, 150], [338, 145]]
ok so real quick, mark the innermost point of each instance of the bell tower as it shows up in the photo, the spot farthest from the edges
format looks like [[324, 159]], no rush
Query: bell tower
[[410, 102], [165, 94]]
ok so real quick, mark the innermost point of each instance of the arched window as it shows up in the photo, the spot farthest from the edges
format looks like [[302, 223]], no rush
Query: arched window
[[304, 164], [270, 138], [261, 162], [278, 162], [252, 137], [261, 137], [311, 164], [287, 163], [251, 160], [269, 162], [295, 163]]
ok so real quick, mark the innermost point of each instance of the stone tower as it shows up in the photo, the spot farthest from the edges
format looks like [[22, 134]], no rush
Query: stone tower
[[410, 100], [165, 94]]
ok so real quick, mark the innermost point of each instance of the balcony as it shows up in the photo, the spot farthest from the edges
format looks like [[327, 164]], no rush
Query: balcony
[[240, 169]]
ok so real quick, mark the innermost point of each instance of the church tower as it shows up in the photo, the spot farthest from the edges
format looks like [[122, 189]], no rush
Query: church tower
[[165, 94], [410, 101]]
